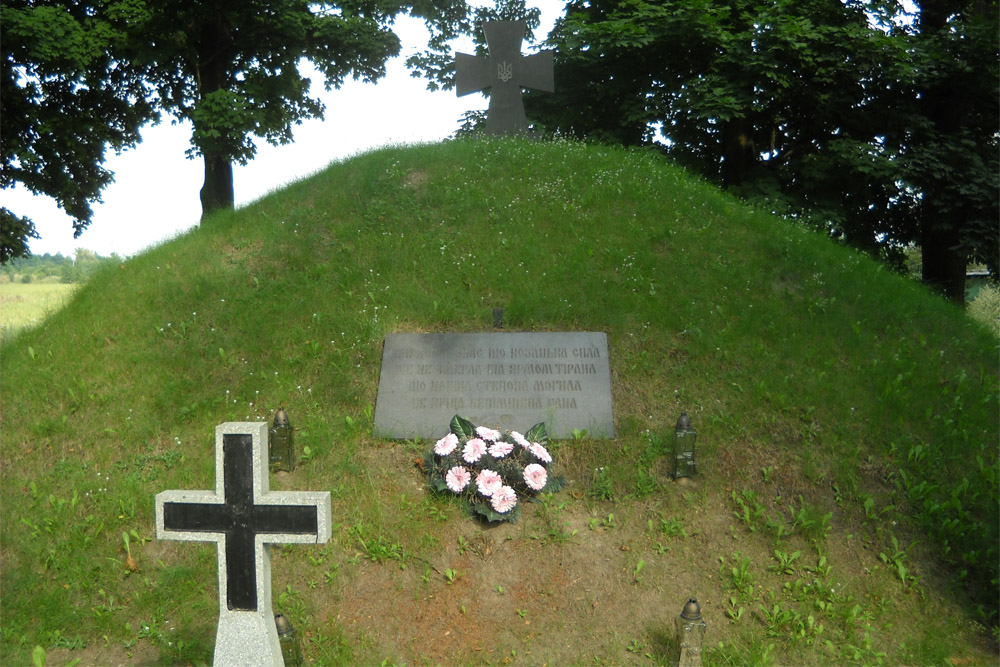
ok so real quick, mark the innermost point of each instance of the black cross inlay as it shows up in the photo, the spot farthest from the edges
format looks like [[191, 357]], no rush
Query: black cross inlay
[[240, 520]]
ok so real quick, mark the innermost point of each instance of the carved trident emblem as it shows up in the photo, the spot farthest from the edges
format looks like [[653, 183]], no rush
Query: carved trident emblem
[[505, 71]]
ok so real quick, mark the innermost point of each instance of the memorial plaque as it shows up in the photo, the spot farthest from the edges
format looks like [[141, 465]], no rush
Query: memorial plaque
[[509, 381]]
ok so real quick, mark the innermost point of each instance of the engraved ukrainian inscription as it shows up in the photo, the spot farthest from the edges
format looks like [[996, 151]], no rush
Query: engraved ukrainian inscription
[[501, 379]]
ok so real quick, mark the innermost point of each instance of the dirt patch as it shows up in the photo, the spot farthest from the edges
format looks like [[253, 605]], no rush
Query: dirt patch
[[110, 655], [560, 586], [575, 581], [515, 597], [416, 179]]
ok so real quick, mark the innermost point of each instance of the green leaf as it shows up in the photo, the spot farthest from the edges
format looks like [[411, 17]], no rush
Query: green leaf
[[554, 483], [537, 433], [38, 657], [463, 428], [487, 512]]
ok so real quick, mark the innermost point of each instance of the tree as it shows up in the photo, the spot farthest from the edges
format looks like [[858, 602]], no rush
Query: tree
[[82, 76], [65, 98], [951, 157], [232, 68], [813, 105]]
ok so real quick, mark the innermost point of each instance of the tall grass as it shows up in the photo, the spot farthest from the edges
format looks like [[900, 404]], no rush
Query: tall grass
[[863, 385]]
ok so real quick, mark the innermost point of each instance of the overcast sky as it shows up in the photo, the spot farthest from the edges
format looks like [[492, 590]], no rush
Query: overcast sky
[[155, 193]]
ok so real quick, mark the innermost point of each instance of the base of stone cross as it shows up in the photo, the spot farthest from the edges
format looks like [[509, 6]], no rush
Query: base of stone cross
[[247, 639], [690, 657]]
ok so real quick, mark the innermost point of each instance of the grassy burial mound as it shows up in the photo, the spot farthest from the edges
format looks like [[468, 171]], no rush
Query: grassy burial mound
[[846, 509]]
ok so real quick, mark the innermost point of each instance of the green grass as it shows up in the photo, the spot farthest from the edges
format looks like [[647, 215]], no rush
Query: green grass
[[844, 414], [25, 305]]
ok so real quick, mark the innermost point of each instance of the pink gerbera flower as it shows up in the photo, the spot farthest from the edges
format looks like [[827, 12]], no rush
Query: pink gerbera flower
[[540, 452], [498, 450], [474, 450], [488, 482], [504, 499], [446, 445], [487, 433], [535, 476], [457, 478], [519, 439]]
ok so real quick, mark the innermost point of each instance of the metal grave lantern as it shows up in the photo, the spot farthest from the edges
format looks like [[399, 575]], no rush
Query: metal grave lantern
[[281, 447], [290, 652], [684, 439], [690, 634]]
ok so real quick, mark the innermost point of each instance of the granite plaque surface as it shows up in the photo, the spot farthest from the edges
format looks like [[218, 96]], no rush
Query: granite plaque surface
[[509, 381]]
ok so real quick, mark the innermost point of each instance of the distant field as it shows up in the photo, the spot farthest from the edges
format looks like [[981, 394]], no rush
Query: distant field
[[23, 306]]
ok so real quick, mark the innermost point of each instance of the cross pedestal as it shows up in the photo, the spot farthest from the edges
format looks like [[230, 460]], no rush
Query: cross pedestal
[[243, 517], [504, 72]]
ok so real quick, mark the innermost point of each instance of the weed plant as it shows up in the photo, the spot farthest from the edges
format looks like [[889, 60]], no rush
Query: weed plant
[[847, 418]]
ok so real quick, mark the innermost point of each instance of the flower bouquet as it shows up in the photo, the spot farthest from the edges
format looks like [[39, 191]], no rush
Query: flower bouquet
[[492, 472]]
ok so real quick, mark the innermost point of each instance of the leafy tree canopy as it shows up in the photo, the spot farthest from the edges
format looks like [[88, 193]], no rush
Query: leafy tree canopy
[[877, 124], [65, 98], [82, 76], [232, 68]]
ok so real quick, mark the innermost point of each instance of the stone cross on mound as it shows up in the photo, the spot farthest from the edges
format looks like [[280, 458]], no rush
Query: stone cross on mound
[[504, 72], [243, 517]]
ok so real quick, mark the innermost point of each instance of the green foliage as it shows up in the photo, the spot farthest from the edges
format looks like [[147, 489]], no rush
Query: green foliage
[[65, 98], [875, 125], [234, 74], [67, 269], [78, 79], [437, 63], [15, 231], [985, 308]]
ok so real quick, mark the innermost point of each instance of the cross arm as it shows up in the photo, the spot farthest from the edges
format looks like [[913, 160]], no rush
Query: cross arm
[[169, 528], [310, 524], [537, 72], [472, 74]]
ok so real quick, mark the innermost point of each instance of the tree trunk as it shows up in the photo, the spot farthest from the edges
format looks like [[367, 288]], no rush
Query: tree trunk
[[943, 267], [738, 153], [217, 192], [945, 106], [214, 57]]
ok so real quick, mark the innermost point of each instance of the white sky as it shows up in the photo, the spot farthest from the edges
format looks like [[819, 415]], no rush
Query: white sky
[[155, 193]]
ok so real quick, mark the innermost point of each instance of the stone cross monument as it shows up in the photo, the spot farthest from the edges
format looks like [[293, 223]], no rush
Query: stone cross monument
[[505, 71], [243, 517]]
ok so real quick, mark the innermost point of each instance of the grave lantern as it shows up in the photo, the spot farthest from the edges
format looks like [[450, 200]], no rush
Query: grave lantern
[[281, 447], [684, 439], [690, 634], [290, 652]]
